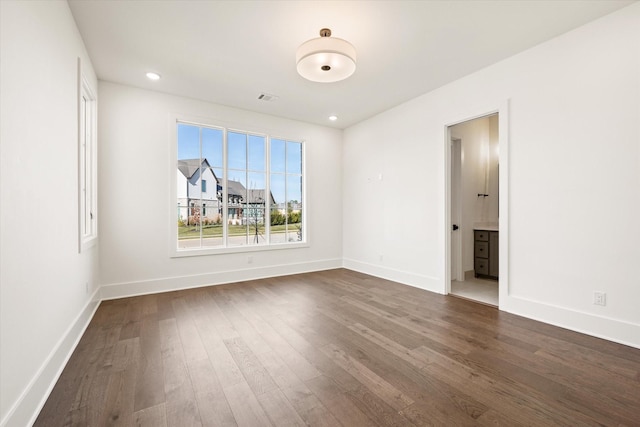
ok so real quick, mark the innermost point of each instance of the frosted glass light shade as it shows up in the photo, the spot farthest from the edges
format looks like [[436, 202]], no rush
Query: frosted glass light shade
[[326, 59]]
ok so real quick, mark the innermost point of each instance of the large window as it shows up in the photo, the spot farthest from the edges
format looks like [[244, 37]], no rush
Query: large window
[[87, 161], [236, 189]]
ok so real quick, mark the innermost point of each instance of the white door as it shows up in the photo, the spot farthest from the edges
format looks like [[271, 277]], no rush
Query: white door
[[457, 272]]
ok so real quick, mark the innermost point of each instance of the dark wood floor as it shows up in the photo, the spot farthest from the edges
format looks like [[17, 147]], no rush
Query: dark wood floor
[[336, 348]]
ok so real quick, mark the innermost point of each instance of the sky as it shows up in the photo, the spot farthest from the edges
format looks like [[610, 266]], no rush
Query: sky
[[247, 158]]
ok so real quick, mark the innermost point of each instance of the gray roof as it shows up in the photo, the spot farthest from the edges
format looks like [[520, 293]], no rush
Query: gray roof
[[188, 167], [235, 188], [255, 196]]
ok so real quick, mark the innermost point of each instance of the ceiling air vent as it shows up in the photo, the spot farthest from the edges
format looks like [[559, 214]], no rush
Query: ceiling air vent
[[267, 97]]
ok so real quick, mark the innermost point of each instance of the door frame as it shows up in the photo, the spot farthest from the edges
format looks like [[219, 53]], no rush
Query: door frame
[[502, 109]]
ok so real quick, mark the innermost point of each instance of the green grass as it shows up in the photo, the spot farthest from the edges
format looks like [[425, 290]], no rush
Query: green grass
[[193, 232]]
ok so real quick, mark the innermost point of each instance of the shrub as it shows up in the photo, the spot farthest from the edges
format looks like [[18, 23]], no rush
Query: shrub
[[277, 218], [294, 217]]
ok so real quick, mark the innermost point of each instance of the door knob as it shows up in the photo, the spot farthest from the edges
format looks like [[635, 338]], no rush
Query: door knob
[[455, 227]]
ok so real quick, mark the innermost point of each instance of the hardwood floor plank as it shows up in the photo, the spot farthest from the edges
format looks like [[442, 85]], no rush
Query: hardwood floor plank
[[149, 390], [337, 402], [192, 345], [335, 348], [181, 407], [308, 406], [118, 406], [154, 416], [227, 371], [126, 353], [279, 410], [253, 371], [298, 364], [244, 329], [245, 407], [215, 410], [388, 393]]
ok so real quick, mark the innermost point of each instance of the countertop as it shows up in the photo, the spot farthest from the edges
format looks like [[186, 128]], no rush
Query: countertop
[[486, 226]]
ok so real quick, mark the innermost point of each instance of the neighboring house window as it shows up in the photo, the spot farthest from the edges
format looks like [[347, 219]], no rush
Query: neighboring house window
[[259, 188], [87, 166]]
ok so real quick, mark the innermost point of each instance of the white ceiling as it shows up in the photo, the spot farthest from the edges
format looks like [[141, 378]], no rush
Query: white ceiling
[[228, 52]]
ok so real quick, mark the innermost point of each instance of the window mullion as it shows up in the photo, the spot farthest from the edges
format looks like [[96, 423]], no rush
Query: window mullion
[[267, 190], [286, 202], [225, 191], [245, 209], [200, 176]]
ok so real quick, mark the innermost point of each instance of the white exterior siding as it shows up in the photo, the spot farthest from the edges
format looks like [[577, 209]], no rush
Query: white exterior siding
[[189, 194]]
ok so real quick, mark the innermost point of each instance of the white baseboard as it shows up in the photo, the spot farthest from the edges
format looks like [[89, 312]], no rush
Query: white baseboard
[[607, 328], [426, 283], [167, 284], [26, 409]]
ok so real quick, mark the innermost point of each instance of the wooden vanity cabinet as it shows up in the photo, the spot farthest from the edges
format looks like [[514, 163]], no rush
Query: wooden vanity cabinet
[[486, 254]]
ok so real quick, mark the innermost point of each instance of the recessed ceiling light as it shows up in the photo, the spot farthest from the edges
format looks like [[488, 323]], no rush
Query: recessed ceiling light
[[333, 118], [153, 76]]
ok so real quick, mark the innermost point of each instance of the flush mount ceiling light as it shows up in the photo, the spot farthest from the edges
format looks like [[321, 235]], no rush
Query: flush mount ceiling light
[[153, 76], [326, 59]]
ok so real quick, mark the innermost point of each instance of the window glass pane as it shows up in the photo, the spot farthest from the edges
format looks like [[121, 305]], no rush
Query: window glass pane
[[257, 158], [278, 190], [255, 211], [294, 208], [188, 186], [212, 161], [256, 225], [236, 206], [294, 191], [294, 157], [278, 226], [188, 142], [237, 150], [212, 146], [211, 231], [277, 155]]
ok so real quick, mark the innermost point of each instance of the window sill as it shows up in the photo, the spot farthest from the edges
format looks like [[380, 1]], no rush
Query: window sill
[[180, 253]]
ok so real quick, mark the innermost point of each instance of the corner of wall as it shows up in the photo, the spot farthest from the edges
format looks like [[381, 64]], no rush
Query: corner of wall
[[28, 405]]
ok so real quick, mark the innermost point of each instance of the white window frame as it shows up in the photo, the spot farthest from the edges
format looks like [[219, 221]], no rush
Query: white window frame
[[87, 164], [174, 251]]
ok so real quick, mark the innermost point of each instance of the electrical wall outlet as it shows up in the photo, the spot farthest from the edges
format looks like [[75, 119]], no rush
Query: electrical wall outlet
[[599, 298]]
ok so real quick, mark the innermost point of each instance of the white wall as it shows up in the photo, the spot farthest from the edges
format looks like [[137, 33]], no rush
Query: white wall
[[134, 136], [44, 305], [574, 175]]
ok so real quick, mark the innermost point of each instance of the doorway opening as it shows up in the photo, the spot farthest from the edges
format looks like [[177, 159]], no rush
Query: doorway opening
[[474, 209]]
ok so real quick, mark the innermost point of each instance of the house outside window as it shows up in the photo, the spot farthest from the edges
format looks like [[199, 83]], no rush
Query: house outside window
[[258, 200]]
